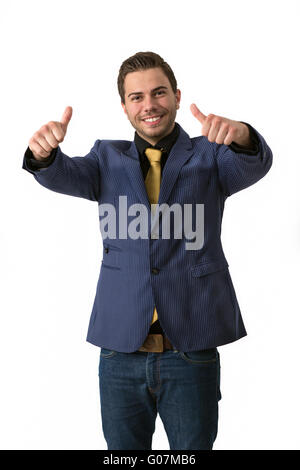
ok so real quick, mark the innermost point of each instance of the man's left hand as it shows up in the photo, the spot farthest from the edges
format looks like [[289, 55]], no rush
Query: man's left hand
[[222, 130]]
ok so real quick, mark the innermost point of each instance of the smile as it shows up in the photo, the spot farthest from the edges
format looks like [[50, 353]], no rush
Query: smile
[[152, 120]]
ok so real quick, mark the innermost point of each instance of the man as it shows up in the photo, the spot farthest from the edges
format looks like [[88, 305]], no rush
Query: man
[[163, 304]]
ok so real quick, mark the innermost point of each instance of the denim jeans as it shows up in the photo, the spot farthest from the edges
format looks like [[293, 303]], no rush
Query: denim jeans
[[183, 387]]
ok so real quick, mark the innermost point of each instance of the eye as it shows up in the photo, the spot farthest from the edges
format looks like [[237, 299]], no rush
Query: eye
[[135, 98], [160, 91]]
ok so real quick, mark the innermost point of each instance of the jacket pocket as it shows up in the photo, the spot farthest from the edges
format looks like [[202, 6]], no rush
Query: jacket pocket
[[210, 267], [111, 256]]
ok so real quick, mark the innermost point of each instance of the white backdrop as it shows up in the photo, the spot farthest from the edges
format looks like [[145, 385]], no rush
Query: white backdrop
[[236, 59]]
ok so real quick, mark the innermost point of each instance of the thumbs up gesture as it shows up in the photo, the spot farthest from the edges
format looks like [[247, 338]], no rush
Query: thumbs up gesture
[[49, 136], [222, 130]]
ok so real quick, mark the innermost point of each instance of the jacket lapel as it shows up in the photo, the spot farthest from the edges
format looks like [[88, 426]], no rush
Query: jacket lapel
[[179, 154], [131, 162]]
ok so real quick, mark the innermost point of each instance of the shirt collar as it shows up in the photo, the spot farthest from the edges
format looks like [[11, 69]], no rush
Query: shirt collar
[[165, 143]]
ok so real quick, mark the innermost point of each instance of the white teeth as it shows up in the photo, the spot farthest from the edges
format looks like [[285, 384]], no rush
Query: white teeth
[[152, 119]]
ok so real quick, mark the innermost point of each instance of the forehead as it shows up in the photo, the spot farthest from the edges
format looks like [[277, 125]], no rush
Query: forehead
[[145, 80]]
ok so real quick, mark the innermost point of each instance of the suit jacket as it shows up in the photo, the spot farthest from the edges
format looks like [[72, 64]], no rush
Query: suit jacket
[[191, 289]]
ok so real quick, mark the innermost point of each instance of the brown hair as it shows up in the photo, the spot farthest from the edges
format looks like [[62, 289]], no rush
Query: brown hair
[[144, 61]]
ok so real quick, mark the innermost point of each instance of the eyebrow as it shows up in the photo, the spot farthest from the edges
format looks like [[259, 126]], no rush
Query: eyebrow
[[154, 89]]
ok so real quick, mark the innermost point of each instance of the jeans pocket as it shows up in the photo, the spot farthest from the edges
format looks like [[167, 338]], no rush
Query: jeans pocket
[[204, 356], [107, 353]]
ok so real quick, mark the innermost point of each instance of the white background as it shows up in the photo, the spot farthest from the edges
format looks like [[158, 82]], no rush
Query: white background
[[236, 59]]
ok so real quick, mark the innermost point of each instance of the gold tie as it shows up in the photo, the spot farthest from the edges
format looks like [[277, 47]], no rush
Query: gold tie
[[152, 183]]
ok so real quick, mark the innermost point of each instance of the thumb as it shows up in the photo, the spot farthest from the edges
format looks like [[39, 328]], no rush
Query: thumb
[[66, 117], [197, 113]]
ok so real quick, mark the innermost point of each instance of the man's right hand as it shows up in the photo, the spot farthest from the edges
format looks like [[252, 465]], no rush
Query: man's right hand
[[49, 136]]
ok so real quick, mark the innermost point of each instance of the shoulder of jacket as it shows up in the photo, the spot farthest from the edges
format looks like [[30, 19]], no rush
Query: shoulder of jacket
[[117, 145], [197, 139]]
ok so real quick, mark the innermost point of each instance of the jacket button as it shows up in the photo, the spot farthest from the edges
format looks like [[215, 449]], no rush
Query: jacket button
[[155, 271], [106, 250]]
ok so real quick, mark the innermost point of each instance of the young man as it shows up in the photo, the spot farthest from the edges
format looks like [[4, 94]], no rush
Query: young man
[[163, 303]]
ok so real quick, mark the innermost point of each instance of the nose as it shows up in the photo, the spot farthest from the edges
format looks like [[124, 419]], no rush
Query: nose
[[149, 104]]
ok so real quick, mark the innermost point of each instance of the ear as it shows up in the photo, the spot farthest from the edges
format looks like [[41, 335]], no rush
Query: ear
[[123, 106], [178, 98]]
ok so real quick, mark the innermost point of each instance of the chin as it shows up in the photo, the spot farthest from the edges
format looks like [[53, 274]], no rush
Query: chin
[[156, 131], [157, 135]]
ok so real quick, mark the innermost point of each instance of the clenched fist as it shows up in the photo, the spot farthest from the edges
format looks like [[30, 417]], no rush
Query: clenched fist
[[49, 136], [222, 130]]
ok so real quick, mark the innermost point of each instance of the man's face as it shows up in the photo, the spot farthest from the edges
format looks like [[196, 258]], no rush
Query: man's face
[[148, 94]]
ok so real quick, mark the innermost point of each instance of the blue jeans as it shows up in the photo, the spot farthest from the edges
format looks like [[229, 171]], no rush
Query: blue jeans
[[183, 387]]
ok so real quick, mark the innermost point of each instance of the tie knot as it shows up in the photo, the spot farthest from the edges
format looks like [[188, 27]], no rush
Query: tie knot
[[153, 155]]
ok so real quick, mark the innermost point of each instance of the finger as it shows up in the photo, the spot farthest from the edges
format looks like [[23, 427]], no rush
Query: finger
[[40, 139], [49, 136], [223, 131], [229, 137], [214, 129], [207, 125], [57, 130], [66, 117], [197, 113], [38, 149]]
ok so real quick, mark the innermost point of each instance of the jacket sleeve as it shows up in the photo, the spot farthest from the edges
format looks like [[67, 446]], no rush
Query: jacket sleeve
[[74, 176], [237, 169]]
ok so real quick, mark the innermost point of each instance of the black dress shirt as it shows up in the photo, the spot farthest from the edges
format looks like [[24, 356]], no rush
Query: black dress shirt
[[165, 144]]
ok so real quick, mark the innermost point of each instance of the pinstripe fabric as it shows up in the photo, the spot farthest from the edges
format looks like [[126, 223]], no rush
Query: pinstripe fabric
[[192, 290]]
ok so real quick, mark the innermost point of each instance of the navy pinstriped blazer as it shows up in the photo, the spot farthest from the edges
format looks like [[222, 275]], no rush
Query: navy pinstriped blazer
[[191, 289]]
